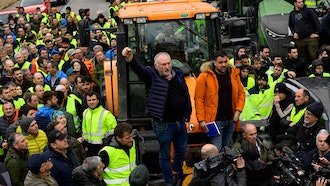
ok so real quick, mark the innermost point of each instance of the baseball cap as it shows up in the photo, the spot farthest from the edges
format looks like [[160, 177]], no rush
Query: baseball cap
[[55, 52], [35, 161], [70, 71], [55, 135]]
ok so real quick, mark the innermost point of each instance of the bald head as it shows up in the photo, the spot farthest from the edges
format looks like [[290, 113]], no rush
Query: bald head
[[250, 132], [209, 150], [65, 82], [38, 78]]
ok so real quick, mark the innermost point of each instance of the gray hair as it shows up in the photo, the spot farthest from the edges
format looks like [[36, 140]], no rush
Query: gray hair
[[17, 54], [159, 54], [25, 71], [31, 45], [23, 49], [97, 47], [322, 132], [243, 126], [91, 165]]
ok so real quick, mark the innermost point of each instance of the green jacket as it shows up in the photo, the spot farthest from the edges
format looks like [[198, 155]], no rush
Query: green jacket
[[77, 149], [99, 73], [16, 163]]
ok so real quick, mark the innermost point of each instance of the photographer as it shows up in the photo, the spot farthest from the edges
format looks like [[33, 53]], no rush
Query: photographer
[[222, 176], [287, 168], [319, 157], [255, 167]]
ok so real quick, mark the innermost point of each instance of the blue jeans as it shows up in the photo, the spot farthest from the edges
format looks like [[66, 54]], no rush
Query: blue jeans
[[166, 133], [227, 129]]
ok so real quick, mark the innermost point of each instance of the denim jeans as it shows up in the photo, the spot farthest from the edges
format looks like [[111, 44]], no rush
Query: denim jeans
[[227, 129], [166, 133]]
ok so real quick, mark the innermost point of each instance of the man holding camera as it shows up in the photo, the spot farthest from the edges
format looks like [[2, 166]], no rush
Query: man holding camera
[[320, 157], [234, 177]]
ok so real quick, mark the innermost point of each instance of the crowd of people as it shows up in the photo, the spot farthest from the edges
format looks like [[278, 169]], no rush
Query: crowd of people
[[53, 119], [257, 114], [55, 128]]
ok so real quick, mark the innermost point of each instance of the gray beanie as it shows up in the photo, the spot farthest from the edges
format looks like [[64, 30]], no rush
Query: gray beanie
[[25, 123], [139, 176]]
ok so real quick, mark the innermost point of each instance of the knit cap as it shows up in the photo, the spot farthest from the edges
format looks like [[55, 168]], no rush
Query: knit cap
[[316, 109], [263, 76], [281, 88], [25, 123], [139, 176]]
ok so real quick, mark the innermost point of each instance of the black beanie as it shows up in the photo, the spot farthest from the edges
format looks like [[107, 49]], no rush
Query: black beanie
[[316, 109], [281, 88], [263, 76], [25, 123]]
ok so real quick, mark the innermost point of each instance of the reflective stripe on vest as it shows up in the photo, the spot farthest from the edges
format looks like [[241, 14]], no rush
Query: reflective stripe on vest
[[117, 181], [120, 169], [120, 165], [95, 137]]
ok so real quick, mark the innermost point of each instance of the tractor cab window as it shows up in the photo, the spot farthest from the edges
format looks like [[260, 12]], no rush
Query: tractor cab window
[[189, 42]]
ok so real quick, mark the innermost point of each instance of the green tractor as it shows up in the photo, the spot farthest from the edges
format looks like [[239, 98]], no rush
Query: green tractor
[[254, 23]]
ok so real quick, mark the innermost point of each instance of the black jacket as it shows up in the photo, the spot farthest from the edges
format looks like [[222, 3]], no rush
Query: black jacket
[[307, 136], [223, 179], [253, 171], [299, 66], [304, 22], [277, 120], [325, 28], [82, 178]]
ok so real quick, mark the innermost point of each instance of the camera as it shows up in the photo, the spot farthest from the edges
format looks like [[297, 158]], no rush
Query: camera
[[324, 172], [219, 163], [289, 167]]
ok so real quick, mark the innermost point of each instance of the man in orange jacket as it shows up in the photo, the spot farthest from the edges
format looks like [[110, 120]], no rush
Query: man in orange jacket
[[219, 98]]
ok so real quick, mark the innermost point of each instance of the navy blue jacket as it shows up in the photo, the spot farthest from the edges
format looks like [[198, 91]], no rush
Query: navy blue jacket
[[157, 87], [62, 167]]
